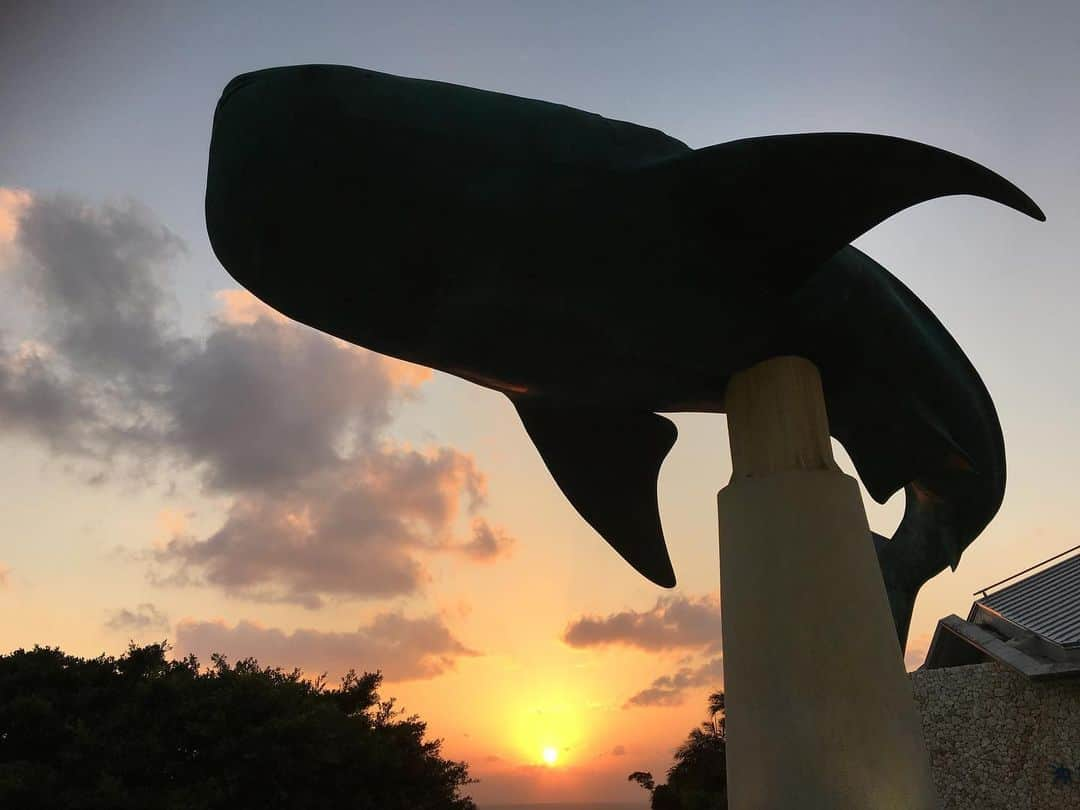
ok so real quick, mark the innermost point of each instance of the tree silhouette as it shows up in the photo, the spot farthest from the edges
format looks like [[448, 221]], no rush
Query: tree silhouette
[[141, 731], [697, 780], [643, 778]]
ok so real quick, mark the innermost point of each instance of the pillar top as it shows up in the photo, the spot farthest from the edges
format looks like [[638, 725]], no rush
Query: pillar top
[[777, 419]]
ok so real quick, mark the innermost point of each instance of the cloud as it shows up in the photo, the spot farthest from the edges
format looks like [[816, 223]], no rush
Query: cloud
[[675, 622], [285, 422], [143, 617], [97, 274], [353, 530], [265, 403], [670, 690], [37, 401], [241, 307], [94, 278], [402, 648], [690, 623], [618, 751], [5, 576], [290, 422], [487, 543], [13, 202]]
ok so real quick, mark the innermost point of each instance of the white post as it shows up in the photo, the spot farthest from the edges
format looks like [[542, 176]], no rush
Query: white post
[[820, 714]]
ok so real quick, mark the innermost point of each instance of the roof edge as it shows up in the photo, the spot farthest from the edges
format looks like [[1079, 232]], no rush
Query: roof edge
[[994, 648]]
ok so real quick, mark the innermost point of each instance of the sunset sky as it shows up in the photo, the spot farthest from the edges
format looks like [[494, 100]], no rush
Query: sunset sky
[[180, 462]]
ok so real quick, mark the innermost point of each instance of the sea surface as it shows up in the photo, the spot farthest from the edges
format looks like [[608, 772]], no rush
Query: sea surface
[[567, 806]]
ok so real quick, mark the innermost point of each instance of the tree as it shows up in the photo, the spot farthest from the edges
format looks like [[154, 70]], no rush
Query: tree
[[141, 731], [643, 778], [697, 780]]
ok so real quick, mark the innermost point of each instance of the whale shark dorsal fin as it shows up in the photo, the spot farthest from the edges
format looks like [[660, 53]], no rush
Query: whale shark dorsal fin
[[804, 197], [606, 461]]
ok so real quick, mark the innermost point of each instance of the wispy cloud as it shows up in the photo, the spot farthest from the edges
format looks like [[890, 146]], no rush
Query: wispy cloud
[[143, 618], [487, 544], [402, 648], [675, 622], [690, 624], [670, 690]]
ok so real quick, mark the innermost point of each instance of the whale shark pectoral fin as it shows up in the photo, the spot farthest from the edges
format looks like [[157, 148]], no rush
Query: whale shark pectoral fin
[[807, 196], [606, 462]]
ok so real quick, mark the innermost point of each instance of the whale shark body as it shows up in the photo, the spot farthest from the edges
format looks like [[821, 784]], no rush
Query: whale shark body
[[599, 273]]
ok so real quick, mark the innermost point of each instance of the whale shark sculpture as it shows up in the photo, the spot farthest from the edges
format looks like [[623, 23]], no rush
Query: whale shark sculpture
[[597, 272]]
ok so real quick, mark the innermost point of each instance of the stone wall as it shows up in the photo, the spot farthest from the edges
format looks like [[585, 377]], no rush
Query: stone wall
[[1000, 740]]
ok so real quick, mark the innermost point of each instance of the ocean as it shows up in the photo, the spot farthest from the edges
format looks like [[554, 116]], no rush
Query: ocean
[[567, 806]]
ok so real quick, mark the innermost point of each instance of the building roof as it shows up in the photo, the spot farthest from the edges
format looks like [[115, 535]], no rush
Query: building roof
[[1031, 625], [1046, 604]]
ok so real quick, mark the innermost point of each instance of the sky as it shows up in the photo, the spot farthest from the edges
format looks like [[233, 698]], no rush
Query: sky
[[181, 463]]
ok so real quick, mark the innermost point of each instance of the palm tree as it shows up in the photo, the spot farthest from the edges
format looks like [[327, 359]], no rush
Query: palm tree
[[697, 780], [716, 707]]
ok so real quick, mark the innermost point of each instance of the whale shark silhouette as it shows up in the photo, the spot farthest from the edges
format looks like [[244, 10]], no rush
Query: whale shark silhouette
[[597, 273]]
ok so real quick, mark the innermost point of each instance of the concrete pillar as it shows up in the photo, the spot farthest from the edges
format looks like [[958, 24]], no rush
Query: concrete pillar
[[820, 714]]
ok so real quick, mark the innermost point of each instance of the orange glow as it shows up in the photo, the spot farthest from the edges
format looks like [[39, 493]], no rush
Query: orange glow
[[550, 728], [241, 307], [12, 203]]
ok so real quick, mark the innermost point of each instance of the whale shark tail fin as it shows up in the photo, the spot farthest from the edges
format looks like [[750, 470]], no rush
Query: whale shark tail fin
[[606, 461], [795, 200]]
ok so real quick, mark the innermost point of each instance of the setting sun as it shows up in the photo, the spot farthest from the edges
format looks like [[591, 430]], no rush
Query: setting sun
[[550, 755]]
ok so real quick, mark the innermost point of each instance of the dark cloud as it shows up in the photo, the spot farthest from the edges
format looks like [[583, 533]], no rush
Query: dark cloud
[[36, 401], [675, 622], [106, 347], [97, 272], [618, 751], [285, 421], [143, 617], [261, 404], [670, 690], [402, 648]]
